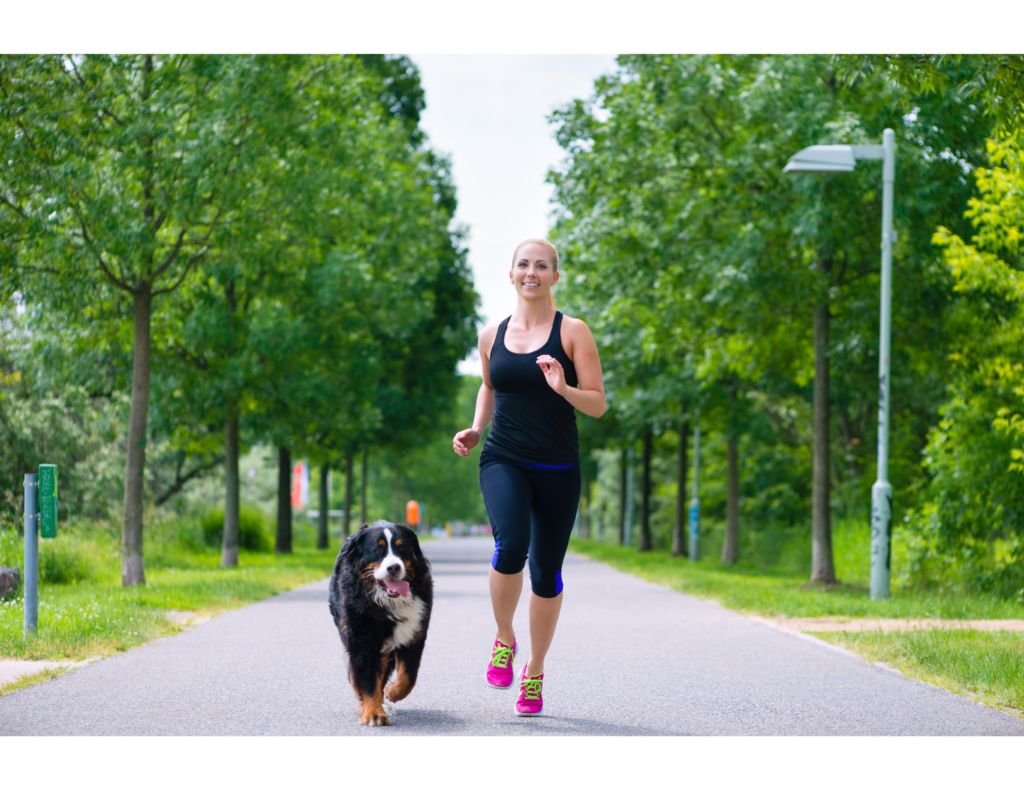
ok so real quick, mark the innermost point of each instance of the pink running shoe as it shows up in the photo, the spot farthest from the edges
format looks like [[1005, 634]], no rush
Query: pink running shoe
[[499, 670], [530, 703]]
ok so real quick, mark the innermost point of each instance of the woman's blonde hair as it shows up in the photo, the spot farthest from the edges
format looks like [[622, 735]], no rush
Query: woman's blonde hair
[[554, 258]]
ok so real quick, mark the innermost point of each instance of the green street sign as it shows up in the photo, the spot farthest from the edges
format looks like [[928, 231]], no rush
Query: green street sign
[[48, 500]]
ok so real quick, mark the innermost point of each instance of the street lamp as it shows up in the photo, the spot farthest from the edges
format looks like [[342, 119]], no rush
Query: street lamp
[[843, 159]]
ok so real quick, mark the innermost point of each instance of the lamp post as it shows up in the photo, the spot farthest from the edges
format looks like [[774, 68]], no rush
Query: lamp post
[[843, 159]]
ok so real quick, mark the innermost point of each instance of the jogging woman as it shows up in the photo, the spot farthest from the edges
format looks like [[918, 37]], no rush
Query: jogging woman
[[538, 365]]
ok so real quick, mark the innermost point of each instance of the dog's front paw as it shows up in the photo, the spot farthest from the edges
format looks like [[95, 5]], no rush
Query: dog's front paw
[[389, 707], [375, 718]]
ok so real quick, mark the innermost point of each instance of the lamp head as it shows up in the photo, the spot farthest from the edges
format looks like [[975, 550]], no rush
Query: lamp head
[[822, 159]]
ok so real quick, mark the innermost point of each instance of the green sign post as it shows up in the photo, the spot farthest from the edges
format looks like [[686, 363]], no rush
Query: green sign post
[[48, 500]]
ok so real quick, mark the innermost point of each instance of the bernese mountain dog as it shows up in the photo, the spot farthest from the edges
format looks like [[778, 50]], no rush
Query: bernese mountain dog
[[380, 598]]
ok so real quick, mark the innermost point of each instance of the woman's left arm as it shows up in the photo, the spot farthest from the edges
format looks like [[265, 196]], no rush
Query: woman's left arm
[[589, 396]]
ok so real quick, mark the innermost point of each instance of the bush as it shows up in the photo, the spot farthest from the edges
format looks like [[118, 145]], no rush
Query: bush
[[252, 528]]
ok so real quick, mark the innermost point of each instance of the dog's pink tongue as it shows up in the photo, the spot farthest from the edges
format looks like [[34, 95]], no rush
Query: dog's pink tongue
[[401, 587]]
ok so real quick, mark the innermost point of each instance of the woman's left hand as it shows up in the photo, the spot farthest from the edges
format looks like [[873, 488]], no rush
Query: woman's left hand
[[553, 373]]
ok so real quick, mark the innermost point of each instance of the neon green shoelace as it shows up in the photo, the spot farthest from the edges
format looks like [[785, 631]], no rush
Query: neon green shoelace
[[501, 655], [530, 687]]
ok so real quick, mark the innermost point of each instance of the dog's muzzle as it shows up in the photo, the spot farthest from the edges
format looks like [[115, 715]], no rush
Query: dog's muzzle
[[393, 588]]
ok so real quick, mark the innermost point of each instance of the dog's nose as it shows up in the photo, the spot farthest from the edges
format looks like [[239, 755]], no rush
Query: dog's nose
[[394, 569]]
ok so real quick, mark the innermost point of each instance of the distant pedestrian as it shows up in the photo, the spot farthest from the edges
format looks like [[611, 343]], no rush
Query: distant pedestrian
[[538, 365]]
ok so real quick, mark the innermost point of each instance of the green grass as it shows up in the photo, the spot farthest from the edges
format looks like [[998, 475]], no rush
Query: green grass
[[984, 666], [771, 592], [84, 611]]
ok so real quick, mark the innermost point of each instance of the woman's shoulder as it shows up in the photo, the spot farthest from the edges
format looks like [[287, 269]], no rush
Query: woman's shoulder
[[486, 338], [576, 328], [575, 334]]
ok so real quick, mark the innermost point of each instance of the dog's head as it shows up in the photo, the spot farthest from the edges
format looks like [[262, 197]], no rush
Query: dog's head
[[386, 557]]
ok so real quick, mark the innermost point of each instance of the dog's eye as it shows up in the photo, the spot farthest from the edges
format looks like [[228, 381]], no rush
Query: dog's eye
[[398, 542], [382, 543]]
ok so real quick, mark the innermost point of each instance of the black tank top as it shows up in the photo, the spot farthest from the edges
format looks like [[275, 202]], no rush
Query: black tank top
[[531, 423]]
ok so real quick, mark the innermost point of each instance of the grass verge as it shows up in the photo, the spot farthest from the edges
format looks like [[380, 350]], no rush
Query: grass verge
[[99, 617], [766, 592], [984, 666]]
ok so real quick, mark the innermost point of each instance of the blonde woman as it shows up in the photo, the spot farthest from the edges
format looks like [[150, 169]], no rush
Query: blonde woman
[[538, 368]]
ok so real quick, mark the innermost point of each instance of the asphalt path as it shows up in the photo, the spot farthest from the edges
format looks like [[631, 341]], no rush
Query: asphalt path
[[629, 658]]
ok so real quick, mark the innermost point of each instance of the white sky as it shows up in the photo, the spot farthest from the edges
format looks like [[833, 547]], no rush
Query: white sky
[[489, 112]]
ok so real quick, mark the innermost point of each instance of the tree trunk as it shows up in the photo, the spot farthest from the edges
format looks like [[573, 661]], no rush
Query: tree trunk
[[679, 536], [623, 505], [730, 547], [645, 507], [362, 487], [133, 570], [322, 537], [348, 495], [821, 531], [284, 501], [229, 547]]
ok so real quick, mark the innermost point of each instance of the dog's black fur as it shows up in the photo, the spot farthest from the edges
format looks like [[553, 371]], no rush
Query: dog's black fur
[[382, 633]]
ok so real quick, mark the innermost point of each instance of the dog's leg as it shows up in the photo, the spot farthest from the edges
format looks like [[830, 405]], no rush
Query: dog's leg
[[368, 676], [408, 667], [387, 666]]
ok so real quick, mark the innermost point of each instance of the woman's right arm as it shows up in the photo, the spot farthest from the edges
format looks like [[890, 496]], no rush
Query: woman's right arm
[[469, 438]]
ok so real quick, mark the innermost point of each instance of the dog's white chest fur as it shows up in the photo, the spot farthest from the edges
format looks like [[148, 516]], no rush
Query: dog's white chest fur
[[409, 612]]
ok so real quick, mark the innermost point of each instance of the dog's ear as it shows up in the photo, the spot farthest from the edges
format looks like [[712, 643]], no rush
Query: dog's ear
[[414, 540], [350, 549]]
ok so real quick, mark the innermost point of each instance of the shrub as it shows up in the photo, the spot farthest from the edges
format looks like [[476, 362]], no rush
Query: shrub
[[252, 528]]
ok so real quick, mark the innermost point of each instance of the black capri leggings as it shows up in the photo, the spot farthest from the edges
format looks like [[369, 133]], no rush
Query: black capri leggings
[[532, 511]]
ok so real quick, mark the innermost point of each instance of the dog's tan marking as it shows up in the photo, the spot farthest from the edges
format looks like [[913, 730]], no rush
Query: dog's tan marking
[[382, 543], [373, 710], [401, 687], [372, 706], [368, 579], [398, 542]]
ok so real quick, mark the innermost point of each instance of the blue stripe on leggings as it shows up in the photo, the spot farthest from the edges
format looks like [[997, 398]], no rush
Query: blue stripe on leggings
[[497, 546], [558, 582]]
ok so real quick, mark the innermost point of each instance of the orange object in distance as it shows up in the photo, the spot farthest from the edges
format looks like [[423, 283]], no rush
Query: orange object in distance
[[412, 512]]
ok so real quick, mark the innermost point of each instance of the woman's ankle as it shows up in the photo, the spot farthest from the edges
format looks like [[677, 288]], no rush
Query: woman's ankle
[[511, 638]]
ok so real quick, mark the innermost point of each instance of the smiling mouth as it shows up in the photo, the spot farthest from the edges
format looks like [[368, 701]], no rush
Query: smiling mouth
[[393, 588]]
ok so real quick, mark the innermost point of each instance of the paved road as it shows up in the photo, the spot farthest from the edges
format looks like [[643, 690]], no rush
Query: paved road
[[630, 658]]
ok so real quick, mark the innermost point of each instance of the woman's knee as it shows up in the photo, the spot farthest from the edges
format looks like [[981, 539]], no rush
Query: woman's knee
[[510, 557], [545, 582]]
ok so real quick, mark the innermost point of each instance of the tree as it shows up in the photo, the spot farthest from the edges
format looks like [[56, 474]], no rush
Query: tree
[[119, 171], [680, 223], [976, 451]]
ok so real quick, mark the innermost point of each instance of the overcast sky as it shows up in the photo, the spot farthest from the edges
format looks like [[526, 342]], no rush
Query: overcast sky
[[489, 112]]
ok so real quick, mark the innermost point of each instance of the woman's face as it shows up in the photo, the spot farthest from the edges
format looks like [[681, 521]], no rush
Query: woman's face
[[533, 272]]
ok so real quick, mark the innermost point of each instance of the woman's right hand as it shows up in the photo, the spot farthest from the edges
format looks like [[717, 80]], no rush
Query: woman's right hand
[[466, 440]]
